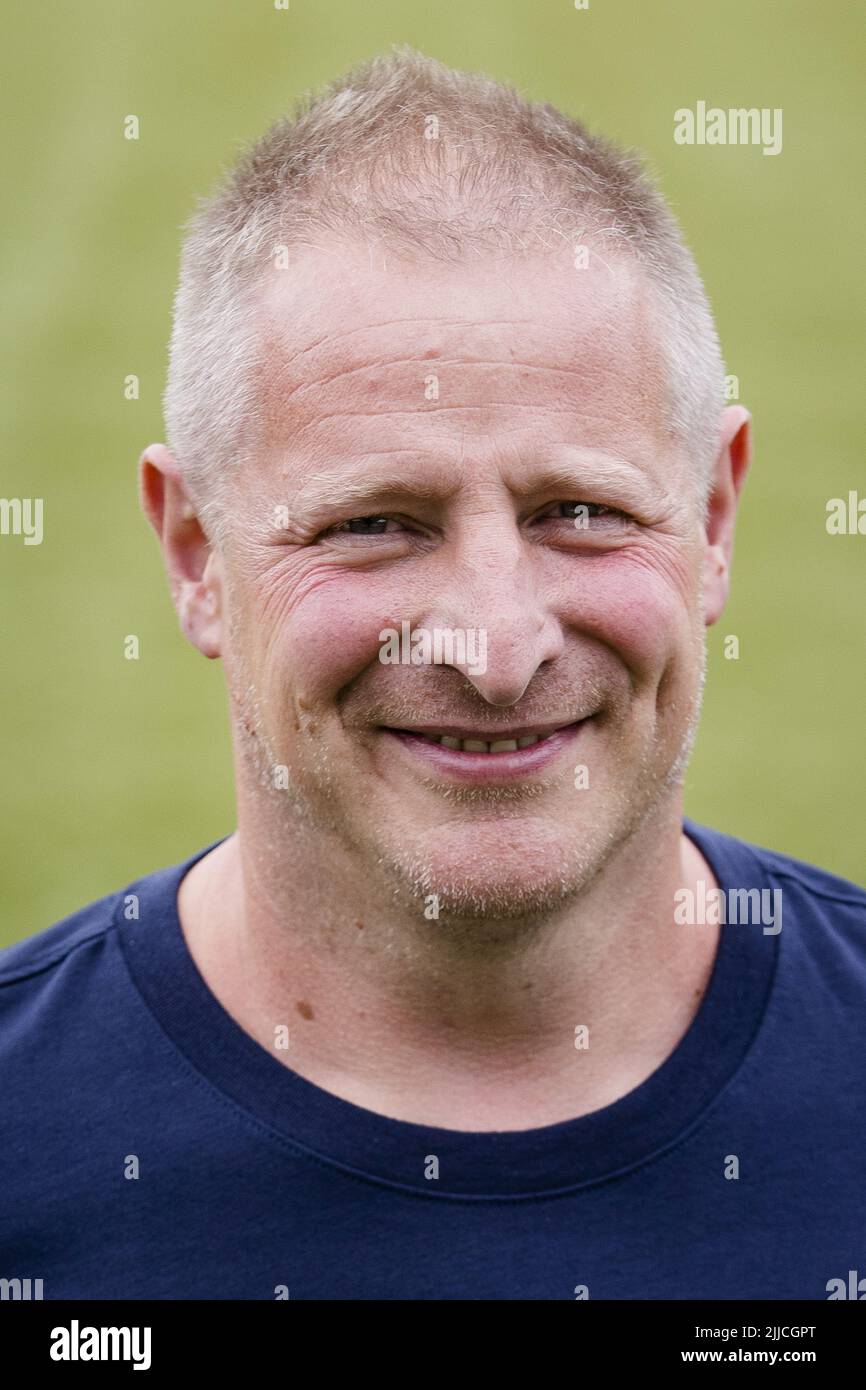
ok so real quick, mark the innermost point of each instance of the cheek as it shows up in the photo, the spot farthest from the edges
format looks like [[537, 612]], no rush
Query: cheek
[[316, 646], [635, 609]]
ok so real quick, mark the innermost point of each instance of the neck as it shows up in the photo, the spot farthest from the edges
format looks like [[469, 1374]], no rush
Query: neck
[[464, 1026]]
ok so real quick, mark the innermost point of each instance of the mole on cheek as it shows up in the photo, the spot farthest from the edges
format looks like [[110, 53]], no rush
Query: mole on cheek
[[304, 1009]]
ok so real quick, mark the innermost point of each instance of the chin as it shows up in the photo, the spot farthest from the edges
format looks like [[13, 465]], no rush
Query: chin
[[516, 869]]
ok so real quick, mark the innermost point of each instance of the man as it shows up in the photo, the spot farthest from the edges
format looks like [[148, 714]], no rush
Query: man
[[463, 1008]]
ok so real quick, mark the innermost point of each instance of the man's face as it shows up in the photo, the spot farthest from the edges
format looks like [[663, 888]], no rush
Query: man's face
[[429, 435]]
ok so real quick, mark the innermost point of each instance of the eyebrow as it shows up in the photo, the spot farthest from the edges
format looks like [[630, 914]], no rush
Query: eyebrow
[[370, 484], [324, 491]]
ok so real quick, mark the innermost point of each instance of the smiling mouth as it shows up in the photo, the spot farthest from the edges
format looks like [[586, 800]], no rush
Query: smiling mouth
[[505, 742]]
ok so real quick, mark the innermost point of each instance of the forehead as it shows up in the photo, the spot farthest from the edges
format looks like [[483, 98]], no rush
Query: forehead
[[376, 346]]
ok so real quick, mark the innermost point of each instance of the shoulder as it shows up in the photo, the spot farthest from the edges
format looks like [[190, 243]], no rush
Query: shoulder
[[800, 878], [83, 932], [817, 882], [820, 917], [73, 965], [806, 883], [41, 954], [56, 990], [67, 996]]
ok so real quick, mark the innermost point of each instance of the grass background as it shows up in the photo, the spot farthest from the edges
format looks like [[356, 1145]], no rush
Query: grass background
[[114, 767]]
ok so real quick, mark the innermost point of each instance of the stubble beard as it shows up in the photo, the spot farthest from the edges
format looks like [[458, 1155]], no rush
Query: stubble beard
[[410, 874]]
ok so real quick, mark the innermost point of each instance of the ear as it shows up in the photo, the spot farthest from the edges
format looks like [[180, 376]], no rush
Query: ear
[[729, 474], [193, 566]]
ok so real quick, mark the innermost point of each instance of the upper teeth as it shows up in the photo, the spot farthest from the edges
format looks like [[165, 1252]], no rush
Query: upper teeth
[[479, 745]]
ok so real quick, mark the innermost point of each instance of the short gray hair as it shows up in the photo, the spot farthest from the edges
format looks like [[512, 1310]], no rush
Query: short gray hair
[[353, 160]]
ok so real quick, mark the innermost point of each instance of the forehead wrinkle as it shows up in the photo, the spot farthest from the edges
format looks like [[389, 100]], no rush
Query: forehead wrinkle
[[617, 360], [339, 435], [285, 306], [593, 321], [276, 339], [628, 387], [430, 408], [274, 335], [499, 364]]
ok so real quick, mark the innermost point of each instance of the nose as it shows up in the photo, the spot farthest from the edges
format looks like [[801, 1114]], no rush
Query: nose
[[494, 598]]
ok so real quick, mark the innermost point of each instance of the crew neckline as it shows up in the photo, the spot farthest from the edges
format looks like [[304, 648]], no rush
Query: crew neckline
[[492, 1165]]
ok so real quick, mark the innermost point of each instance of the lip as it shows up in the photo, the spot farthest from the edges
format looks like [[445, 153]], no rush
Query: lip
[[488, 768], [490, 735]]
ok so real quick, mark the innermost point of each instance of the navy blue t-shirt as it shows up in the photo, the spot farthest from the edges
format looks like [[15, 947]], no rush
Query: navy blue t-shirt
[[152, 1149]]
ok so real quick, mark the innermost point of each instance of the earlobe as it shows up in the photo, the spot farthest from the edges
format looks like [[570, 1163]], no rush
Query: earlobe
[[199, 609]]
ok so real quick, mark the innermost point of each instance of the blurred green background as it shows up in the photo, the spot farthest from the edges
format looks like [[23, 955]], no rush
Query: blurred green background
[[115, 767]]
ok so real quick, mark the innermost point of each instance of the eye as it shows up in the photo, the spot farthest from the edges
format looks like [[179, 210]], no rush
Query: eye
[[362, 526], [582, 515]]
